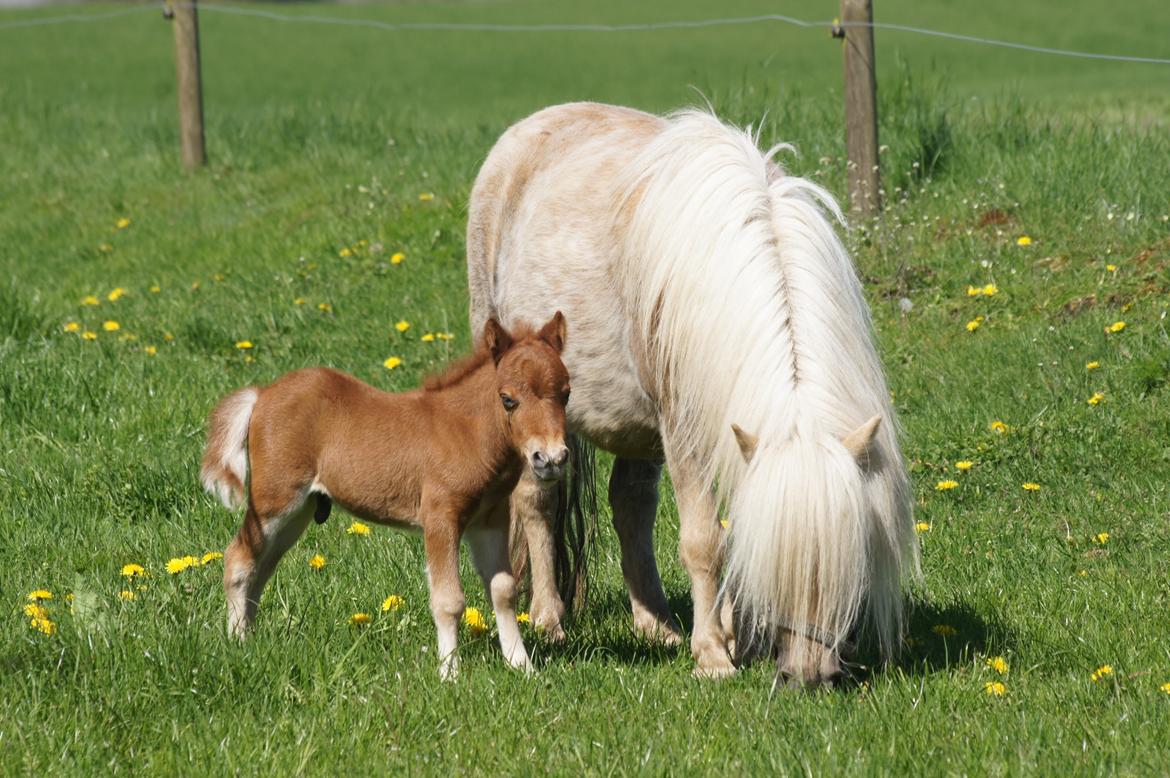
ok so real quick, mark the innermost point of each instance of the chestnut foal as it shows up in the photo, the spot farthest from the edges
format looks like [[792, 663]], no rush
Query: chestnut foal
[[443, 459]]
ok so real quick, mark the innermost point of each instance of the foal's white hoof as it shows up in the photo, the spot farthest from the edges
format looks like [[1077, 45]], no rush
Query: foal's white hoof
[[449, 670]]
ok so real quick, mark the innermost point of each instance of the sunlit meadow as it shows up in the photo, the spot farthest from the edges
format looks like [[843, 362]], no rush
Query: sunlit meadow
[[1019, 279]]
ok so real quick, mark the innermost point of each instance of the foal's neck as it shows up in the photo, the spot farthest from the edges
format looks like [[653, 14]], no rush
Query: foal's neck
[[473, 401]]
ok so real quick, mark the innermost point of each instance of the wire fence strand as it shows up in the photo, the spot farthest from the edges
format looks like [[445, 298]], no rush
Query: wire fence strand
[[687, 24]]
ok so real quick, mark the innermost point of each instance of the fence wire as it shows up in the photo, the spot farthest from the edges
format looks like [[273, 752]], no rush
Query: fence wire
[[377, 24]]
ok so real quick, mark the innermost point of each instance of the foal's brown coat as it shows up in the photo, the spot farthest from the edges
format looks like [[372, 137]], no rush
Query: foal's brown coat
[[443, 459]]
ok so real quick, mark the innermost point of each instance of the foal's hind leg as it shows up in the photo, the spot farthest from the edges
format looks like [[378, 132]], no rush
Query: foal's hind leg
[[489, 552], [633, 496], [253, 554]]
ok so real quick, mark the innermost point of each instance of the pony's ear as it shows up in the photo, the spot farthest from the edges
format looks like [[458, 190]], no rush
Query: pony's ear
[[496, 339], [747, 442], [857, 442], [553, 332]]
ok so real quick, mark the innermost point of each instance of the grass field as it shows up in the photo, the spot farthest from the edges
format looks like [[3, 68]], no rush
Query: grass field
[[334, 149]]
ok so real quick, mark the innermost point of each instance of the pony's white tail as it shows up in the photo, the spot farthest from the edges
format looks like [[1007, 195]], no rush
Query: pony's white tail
[[225, 459], [799, 542]]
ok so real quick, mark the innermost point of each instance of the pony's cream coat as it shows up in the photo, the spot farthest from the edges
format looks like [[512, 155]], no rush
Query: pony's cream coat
[[707, 288]]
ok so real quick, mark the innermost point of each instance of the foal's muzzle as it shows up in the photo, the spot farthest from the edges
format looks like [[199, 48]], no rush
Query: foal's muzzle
[[550, 465]]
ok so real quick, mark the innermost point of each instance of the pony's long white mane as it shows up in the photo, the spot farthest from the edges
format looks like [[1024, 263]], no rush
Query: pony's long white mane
[[752, 314]]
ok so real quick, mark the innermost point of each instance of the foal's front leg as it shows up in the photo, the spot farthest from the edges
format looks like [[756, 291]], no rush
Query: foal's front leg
[[489, 552], [441, 543]]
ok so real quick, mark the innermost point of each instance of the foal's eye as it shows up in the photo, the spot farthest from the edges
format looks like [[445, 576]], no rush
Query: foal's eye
[[509, 403], [565, 397]]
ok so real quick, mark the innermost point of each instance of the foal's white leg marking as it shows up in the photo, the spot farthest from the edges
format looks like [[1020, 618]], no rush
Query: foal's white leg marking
[[245, 581], [489, 552], [447, 627]]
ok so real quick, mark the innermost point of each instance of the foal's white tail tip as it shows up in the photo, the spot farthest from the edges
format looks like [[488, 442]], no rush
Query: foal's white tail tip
[[224, 472]]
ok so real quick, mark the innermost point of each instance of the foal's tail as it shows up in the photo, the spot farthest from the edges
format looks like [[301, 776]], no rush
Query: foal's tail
[[225, 460]]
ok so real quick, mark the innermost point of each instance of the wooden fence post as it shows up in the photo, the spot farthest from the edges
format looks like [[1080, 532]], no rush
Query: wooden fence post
[[185, 19], [861, 131]]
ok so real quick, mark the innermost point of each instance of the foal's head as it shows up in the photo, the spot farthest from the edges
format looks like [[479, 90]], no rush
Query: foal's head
[[533, 385]]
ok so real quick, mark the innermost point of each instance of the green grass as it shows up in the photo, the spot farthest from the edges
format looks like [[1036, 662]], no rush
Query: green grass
[[321, 137]]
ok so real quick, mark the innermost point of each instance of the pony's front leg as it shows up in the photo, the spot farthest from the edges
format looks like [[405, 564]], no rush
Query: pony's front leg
[[701, 555], [489, 552], [633, 496], [533, 507], [441, 543]]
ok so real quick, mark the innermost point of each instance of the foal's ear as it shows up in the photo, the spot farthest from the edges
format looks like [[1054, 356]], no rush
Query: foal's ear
[[857, 442], [747, 442], [553, 332], [496, 338]]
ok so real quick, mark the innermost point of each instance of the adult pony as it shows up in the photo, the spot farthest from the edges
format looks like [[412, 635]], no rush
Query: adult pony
[[718, 324]]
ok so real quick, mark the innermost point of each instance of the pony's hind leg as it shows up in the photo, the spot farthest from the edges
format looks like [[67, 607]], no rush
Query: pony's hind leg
[[253, 555], [633, 496], [489, 552]]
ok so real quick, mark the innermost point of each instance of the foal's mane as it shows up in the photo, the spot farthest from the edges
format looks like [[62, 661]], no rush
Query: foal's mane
[[459, 370]]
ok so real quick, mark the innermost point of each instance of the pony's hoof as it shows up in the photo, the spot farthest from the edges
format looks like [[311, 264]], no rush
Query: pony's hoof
[[552, 632], [449, 671], [664, 633], [715, 669]]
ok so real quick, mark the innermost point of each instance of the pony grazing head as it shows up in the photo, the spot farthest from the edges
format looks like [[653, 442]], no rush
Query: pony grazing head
[[533, 385], [801, 546]]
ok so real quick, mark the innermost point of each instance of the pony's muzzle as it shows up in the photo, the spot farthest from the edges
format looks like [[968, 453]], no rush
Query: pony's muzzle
[[550, 465]]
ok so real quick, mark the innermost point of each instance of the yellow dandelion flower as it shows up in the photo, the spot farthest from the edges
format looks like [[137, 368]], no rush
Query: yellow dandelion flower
[[1023, 240], [298, 301], [357, 528], [397, 257], [999, 427], [974, 324], [126, 594], [964, 465], [38, 595], [945, 630], [44, 626], [402, 326], [151, 351], [359, 619], [243, 345], [1096, 399], [122, 223], [391, 363], [1115, 327], [391, 603], [1101, 538], [524, 618], [176, 565], [90, 299], [1165, 687], [35, 611], [155, 289], [973, 291], [105, 248], [89, 335], [325, 307], [217, 277], [1031, 486], [210, 557], [168, 337], [1083, 573], [921, 527], [72, 327], [1092, 365], [1111, 268], [111, 326], [474, 621], [445, 335], [115, 294], [133, 570], [1103, 671], [428, 338], [990, 290], [345, 253], [426, 197], [998, 664], [944, 486], [724, 523], [317, 562], [995, 688]]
